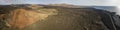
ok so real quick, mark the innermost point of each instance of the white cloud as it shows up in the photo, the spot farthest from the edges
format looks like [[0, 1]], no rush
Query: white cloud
[[117, 4], [118, 10]]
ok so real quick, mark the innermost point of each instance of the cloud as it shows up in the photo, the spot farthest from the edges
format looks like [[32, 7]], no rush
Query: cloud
[[117, 4], [118, 10]]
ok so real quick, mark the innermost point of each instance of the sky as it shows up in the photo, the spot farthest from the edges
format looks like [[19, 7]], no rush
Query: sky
[[75, 2]]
